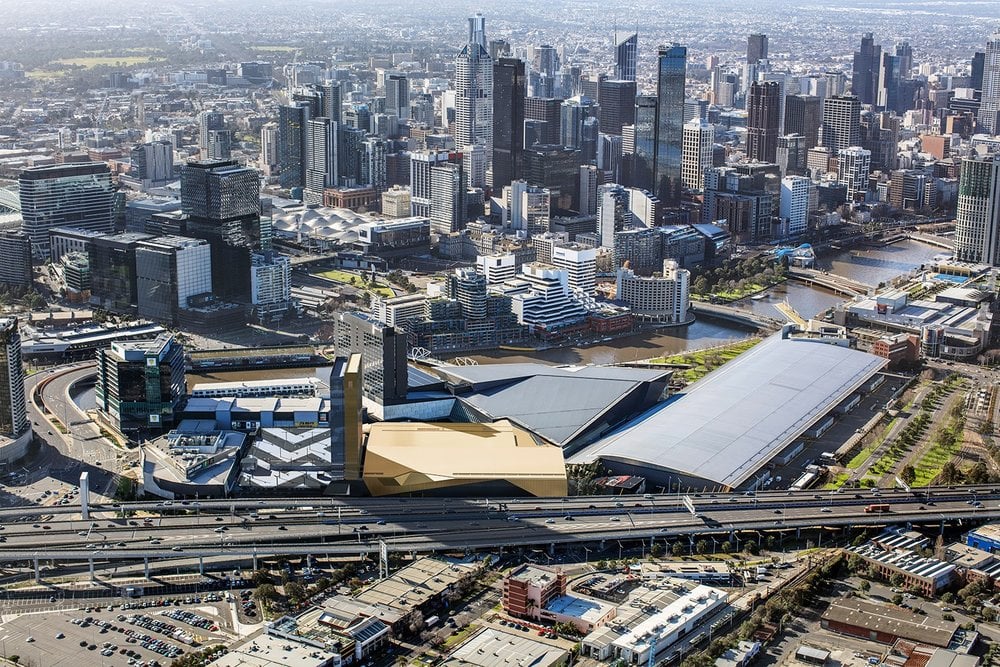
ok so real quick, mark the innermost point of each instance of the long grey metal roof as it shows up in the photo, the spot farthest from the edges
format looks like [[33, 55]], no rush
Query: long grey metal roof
[[734, 420], [556, 402]]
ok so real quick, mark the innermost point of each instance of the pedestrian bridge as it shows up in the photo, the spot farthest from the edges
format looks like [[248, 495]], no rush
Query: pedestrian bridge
[[737, 315], [9, 199]]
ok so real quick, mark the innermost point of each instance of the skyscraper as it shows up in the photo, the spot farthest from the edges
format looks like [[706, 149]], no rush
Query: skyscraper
[[841, 122], [293, 123], [447, 198], [853, 167], [905, 54], [671, 73], [220, 145], [989, 107], [13, 407], [573, 113], [756, 48], [642, 164], [321, 165], [617, 104], [626, 54], [889, 92], [140, 384], [474, 96], [509, 91], [477, 30], [546, 110], [169, 271], [332, 101], [208, 121], [763, 120], [977, 223], [864, 79], [74, 194], [803, 116], [397, 95], [794, 204], [222, 201], [699, 142], [421, 163]]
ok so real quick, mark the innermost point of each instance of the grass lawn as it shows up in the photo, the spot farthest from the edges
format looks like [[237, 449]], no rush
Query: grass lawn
[[340, 276], [837, 481], [112, 61], [702, 362], [460, 636], [382, 290], [862, 456]]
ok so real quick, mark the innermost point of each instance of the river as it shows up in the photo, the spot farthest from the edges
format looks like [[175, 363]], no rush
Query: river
[[867, 265]]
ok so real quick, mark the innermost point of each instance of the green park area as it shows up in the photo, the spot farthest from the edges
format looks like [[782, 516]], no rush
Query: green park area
[[89, 62], [361, 282], [702, 362]]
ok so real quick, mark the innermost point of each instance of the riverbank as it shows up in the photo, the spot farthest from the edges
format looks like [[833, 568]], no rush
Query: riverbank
[[692, 366]]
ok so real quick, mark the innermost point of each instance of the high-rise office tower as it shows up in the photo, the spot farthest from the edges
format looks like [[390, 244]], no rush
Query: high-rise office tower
[[474, 97], [65, 195], [321, 165], [373, 164], [763, 120], [580, 265], [626, 54], [791, 154], [421, 163], [220, 145], [293, 142], [477, 30], [169, 271], [905, 54], [794, 204], [397, 95], [989, 107], [609, 156], [699, 143], [617, 105], [670, 96], [499, 48], [113, 271], [590, 178], [140, 384], [548, 111], [383, 352], [15, 259], [208, 121], [756, 48], [269, 149], [841, 123], [612, 212], [222, 201], [977, 223], [152, 162], [447, 198], [13, 406], [332, 101], [642, 164], [889, 95], [573, 113], [474, 166], [864, 79], [349, 154], [509, 92], [853, 167], [545, 60], [977, 65], [803, 116]]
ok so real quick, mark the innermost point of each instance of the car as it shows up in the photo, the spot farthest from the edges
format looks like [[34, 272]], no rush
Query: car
[[30, 639], [550, 521], [220, 530], [176, 549], [615, 518], [777, 511], [568, 517], [83, 642], [219, 518], [826, 510], [52, 598], [380, 522]]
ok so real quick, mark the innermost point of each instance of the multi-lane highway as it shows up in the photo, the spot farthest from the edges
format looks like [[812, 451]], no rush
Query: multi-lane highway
[[249, 528]]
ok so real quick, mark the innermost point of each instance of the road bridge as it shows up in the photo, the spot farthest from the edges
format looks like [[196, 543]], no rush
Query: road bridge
[[830, 281], [932, 239], [10, 200], [737, 315]]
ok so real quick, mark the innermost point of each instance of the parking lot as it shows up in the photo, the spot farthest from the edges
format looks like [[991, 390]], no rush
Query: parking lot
[[135, 633]]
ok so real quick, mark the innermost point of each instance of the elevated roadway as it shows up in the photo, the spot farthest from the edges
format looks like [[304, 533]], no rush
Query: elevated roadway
[[247, 530]]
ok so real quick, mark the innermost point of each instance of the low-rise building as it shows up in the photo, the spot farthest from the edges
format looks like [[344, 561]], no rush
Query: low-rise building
[[193, 460], [894, 554], [886, 624], [495, 648]]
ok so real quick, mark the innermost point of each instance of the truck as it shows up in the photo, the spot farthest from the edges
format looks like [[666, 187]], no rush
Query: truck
[[877, 509], [431, 621]]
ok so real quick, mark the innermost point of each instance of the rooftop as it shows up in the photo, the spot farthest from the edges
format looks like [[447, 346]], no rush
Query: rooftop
[[267, 651], [414, 585], [413, 456], [493, 648], [891, 621], [733, 421]]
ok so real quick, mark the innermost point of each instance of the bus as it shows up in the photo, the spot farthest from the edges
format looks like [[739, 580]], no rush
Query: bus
[[876, 509]]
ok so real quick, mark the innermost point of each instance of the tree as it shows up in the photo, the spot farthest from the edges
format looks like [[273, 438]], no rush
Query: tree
[[701, 547], [978, 474], [677, 548], [261, 577], [751, 547], [950, 473], [656, 550], [897, 599], [897, 579], [727, 547], [295, 592], [865, 586], [908, 474], [265, 593]]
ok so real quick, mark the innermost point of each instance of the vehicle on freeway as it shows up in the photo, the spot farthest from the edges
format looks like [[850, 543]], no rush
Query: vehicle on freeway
[[877, 509]]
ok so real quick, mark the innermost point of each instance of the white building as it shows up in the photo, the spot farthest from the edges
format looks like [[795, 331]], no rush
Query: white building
[[396, 202], [528, 207], [270, 285], [853, 167], [474, 98], [474, 161], [794, 206], [396, 310], [664, 299], [696, 153], [541, 298], [644, 207], [497, 268], [580, 264]]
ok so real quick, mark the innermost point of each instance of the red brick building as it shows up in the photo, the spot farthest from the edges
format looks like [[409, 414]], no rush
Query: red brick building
[[529, 588], [352, 198]]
